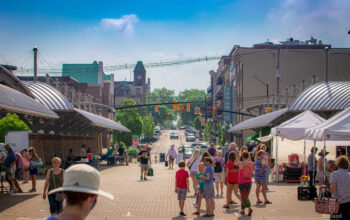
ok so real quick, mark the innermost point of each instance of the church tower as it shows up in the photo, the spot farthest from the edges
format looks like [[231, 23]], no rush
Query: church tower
[[139, 74]]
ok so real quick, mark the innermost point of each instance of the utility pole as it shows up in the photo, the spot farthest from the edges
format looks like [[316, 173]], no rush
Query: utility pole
[[326, 70], [35, 49], [278, 76]]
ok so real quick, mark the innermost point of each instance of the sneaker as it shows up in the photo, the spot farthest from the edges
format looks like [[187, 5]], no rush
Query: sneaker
[[144, 178], [141, 178], [11, 192], [182, 214], [32, 190]]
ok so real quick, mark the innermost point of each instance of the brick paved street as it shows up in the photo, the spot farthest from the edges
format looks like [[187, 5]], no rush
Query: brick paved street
[[156, 199]]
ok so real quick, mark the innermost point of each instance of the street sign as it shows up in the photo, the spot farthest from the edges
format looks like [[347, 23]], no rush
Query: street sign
[[135, 142], [197, 110]]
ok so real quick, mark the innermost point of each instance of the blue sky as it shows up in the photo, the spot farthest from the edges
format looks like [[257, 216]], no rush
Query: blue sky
[[118, 32]]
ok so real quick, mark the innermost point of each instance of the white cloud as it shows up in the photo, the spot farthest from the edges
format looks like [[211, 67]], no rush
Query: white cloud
[[124, 24], [327, 20]]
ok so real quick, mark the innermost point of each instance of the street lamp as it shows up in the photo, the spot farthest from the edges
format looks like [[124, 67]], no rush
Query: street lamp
[[267, 89]]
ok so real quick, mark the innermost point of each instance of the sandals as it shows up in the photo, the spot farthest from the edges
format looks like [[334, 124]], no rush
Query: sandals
[[233, 202], [195, 213], [226, 207], [259, 202], [267, 202], [250, 212], [242, 212], [206, 215]]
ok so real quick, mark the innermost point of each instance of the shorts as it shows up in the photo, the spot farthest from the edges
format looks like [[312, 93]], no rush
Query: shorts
[[245, 186], [19, 173], [10, 173], [181, 194], [261, 181], [219, 177], [233, 183], [34, 171], [209, 192], [171, 159], [144, 167], [193, 173]]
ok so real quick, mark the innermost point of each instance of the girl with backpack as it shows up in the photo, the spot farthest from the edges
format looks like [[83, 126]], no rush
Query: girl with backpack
[[219, 174]]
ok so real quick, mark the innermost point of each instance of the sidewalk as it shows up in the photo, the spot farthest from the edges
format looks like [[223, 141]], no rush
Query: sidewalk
[[156, 199]]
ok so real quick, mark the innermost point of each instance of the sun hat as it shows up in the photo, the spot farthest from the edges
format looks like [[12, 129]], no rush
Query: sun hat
[[82, 178], [323, 152]]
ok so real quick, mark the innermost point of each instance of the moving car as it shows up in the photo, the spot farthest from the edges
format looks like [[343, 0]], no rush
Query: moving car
[[191, 131], [190, 137], [174, 135]]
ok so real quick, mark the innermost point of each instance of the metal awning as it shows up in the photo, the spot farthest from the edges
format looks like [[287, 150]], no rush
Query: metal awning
[[102, 122], [14, 101], [260, 121]]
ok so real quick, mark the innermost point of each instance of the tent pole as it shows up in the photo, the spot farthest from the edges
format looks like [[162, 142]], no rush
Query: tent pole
[[305, 171], [324, 159], [276, 162], [313, 163]]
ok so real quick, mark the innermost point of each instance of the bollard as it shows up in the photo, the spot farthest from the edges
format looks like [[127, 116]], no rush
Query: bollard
[[155, 158]]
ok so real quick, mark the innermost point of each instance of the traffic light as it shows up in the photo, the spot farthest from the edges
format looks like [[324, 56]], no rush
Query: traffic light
[[214, 111], [182, 110], [156, 109], [188, 107], [178, 106], [174, 106]]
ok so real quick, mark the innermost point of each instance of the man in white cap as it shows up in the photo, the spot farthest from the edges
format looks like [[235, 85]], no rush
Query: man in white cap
[[80, 190]]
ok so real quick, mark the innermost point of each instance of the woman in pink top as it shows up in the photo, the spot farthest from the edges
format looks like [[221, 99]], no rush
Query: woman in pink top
[[26, 163], [245, 182]]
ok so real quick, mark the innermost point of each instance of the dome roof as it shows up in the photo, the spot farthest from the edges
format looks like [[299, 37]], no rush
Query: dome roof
[[330, 96]]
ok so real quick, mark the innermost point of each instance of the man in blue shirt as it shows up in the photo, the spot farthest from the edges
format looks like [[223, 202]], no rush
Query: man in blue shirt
[[10, 163]]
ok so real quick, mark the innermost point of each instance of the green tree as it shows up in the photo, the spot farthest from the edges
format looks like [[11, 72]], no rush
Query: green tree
[[220, 134], [197, 123], [11, 123], [207, 130], [148, 126], [131, 119], [191, 95], [165, 113]]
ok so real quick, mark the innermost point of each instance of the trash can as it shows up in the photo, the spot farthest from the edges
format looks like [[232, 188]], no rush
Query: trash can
[[162, 157]]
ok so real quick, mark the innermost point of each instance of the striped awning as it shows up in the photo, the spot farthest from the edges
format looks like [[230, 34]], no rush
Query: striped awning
[[14, 101], [330, 96]]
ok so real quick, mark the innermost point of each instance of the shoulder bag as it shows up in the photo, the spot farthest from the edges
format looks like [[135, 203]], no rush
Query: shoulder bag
[[58, 195], [192, 164]]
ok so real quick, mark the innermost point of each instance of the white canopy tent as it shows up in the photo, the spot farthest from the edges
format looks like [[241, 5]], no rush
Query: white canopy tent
[[294, 130]]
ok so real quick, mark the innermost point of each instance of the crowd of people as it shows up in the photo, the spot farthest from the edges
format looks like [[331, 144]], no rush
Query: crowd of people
[[214, 169]]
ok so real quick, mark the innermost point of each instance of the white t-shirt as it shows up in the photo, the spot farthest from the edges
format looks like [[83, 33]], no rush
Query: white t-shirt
[[195, 165]]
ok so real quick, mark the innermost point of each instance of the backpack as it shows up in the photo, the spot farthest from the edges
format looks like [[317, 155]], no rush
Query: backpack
[[218, 167]]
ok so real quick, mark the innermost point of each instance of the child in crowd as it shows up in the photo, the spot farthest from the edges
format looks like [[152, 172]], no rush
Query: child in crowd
[[182, 185], [209, 192], [245, 182], [200, 187]]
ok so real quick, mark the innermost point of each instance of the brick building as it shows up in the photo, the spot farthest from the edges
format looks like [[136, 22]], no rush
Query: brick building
[[136, 89]]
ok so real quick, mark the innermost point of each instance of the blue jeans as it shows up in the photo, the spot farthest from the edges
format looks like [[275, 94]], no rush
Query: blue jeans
[[55, 207], [312, 177]]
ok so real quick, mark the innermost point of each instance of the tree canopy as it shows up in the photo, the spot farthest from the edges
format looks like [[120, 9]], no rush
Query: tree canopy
[[148, 126], [191, 95], [207, 130], [11, 123], [129, 118]]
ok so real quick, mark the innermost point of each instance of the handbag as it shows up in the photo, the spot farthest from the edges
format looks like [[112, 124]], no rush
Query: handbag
[[36, 164], [166, 163], [150, 171], [58, 196], [325, 205]]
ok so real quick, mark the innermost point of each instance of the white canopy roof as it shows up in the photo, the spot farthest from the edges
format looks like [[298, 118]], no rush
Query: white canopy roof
[[294, 128], [335, 129]]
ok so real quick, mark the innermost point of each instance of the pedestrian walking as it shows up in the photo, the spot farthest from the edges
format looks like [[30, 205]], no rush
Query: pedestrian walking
[[204, 155], [200, 186], [180, 154], [54, 179], [245, 183], [339, 187], [182, 185], [145, 158], [171, 155], [312, 163], [323, 175], [33, 171], [26, 163], [10, 165], [80, 190], [268, 166], [219, 173], [231, 172], [233, 147], [261, 177], [19, 172], [209, 192], [212, 150], [192, 165]]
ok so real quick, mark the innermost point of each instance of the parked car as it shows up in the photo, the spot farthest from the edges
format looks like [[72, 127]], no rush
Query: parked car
[[184, 127], [190, 137], [203, 146], [188, 151], [148, 139], [174, 135], [173, 127], [157, 129]]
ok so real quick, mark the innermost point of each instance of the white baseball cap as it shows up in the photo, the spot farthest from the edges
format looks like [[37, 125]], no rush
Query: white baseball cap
[[82, 178]]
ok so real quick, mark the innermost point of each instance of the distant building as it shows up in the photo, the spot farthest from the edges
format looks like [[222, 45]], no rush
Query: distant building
[[136, 89], [250, 69]]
